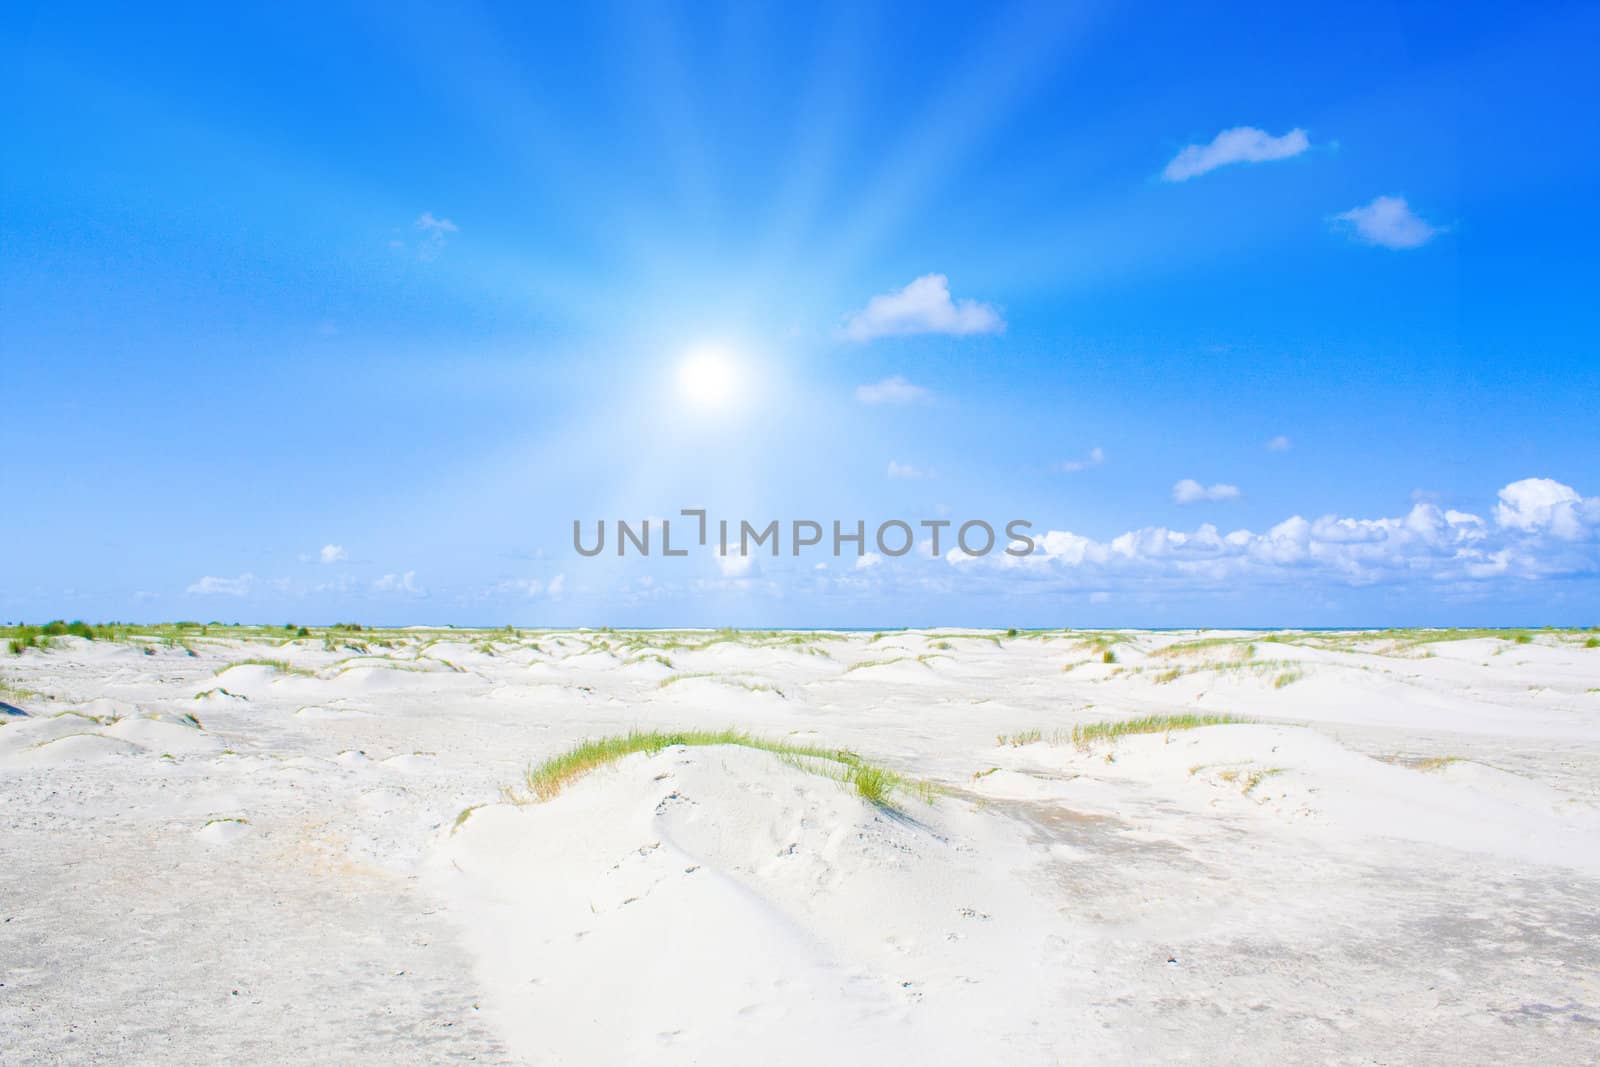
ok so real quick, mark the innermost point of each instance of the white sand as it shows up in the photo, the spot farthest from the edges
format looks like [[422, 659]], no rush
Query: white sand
[[285, 881]]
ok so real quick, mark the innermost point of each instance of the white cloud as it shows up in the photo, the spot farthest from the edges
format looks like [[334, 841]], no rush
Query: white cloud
[[400, 583], [430, 225], [905, 470], [895, 390], [1542, 529], [1537, 505], [924, 306], [1390, 222], [210, 586], [1242, 144], [525, 587], [735, 566], [1095, 457], [332, 554], [1190, 491], [1279, 443], [528, 587], [868, 560]]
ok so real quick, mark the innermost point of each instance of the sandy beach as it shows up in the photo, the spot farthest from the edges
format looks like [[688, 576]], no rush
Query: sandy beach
[[1383, 848]]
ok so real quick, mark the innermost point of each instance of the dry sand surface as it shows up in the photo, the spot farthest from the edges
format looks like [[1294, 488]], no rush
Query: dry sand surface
[[1396, 859]]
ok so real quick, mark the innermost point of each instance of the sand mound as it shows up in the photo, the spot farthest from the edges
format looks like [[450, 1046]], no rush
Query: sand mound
[[223, 831], [74, 748], [358, 681], [1296, 775], [696, 904], [162, 733], [21, 734], [315, 711], [247, 677]]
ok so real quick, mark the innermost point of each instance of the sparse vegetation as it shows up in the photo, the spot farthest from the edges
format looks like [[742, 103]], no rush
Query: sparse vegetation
[[1086, 734], [278, 665], [1022, 737], [9, 691], [1255, 778], [864, 664], [1083, 735], [872, 782]]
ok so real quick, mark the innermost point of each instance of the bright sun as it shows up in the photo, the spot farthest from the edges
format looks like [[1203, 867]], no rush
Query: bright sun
[[706, 378]]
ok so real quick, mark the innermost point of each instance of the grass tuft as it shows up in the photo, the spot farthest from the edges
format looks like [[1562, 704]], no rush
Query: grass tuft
[[1287, 678], [279, 665], [871, 782], [1020, 738], [1086, 734]]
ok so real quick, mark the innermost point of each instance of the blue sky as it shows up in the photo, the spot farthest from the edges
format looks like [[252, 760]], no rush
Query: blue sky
[[1266, 316]]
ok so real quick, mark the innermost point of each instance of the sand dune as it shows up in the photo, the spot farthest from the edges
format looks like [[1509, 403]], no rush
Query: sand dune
[[1385, 848]]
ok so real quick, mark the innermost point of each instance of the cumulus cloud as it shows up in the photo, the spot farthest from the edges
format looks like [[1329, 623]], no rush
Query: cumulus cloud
[[1190, 491], [211, 586], [1542, 529], [1389, 222], [867, 560], [1279, 443], [1095, 457], [735, 566], [1242, 144], [1539, 505], [924, 306], [895, 390], [332, 554], [905, 470]]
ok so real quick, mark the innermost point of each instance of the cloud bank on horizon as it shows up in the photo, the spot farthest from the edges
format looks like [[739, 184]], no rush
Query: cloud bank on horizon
[[1537, 530]]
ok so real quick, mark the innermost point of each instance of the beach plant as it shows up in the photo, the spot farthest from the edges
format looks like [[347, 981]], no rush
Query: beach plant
[[1020, 738], [864, 664], [11, 691], [873, 783], [1086, 734], [278, 665]]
